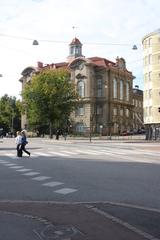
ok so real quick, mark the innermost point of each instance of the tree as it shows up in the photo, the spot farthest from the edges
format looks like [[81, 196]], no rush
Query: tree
[[49, 98], [10, 114]]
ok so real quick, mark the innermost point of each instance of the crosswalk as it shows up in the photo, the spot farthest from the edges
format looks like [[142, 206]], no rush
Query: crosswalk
[[107, 154], [60, 187]]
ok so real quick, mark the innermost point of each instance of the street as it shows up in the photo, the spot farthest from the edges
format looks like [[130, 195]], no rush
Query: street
[[120, 178]]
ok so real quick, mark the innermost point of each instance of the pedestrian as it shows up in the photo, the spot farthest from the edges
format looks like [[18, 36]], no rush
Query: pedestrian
[[18, 141], [57, 134], [24, 142]]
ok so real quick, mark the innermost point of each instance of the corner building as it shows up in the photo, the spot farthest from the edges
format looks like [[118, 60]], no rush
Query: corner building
[[151, 69], [105, 88]]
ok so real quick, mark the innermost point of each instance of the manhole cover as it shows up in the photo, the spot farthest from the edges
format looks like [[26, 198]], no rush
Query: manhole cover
[[59, 232]]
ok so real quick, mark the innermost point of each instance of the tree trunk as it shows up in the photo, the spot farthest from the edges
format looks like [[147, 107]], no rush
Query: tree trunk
[[50, 131]]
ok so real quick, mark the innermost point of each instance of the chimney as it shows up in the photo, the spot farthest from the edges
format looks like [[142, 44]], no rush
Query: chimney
[[40, 64]]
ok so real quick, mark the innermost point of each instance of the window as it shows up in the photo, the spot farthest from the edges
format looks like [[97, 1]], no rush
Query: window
[[71, 50], [80, 110], [127, 113], [77, 50], [150, 76], [150, 42], [99, 110], [80, 88], [149, 59], [121, 89], [115, 88], [80, 127], [127, 91], [150, 93], [121, 112], [99, 87], [115, 111], [150, 111]]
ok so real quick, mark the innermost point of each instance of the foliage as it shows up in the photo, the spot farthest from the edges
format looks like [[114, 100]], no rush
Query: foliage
[[49, 98], [10, 113]]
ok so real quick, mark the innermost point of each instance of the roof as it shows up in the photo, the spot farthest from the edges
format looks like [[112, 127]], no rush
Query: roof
[[151, 34], [75, 41], [101, 61]]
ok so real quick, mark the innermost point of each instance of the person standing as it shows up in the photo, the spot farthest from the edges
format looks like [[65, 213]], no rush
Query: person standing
[[18, 141], [24, 142]]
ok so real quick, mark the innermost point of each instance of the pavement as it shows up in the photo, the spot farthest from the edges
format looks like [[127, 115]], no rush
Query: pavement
[[33, 220], [70, 221]]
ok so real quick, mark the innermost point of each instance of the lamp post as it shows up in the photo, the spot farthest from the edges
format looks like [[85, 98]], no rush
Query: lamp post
[[91, 127]]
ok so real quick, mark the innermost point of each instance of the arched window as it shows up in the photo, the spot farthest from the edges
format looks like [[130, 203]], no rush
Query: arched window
[[121, 89], [127, 91], [115, 88], [81, 88]]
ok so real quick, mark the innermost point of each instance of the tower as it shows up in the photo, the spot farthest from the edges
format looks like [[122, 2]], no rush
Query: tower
[[75, 49]]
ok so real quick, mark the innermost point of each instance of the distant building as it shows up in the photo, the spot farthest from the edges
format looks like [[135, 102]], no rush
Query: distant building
[[105, 88], [151, 50], [138, 124]]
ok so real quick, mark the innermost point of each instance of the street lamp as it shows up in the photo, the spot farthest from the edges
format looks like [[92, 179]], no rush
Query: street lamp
[[134, 47], [35, 43]]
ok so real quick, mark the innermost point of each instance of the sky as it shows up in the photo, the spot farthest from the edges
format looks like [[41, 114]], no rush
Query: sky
[[106, 28]]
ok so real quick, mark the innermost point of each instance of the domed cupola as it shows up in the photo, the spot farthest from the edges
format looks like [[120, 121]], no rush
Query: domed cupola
[[75, 49]]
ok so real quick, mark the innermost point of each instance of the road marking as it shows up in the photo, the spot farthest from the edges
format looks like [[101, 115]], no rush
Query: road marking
[[10, 164], [2, 161], [41, 178], [123, 223], [31, 173], [66, 190], [40, 154], [52, 184], [9, 154], [59, 154], [16, 167], [24, 170], [72, 153]]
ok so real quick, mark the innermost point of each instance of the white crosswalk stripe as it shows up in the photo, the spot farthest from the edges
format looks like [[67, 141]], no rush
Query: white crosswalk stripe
[[59, 154], [52, 184], [66, 190], [10, 164], [41, 178], [31, 173], [16, 167], [40, 154], [24, 170]]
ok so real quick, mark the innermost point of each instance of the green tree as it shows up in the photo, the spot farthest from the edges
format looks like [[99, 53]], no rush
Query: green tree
[[49, 99], [10, 114]]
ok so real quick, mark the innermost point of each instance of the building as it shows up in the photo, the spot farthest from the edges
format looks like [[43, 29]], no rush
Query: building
[[137, 96], [105, 88], [151, 50]]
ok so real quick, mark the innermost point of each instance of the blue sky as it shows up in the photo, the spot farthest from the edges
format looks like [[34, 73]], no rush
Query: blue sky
[[106, 28]]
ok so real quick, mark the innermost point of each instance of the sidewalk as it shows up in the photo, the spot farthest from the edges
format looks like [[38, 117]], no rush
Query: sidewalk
[[73, 221]]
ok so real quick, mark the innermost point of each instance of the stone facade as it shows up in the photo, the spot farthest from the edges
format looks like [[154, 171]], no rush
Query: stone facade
[[138, 109], [105, 90]]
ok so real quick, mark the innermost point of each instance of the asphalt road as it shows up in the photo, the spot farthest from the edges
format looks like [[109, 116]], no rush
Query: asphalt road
[[119, 178]]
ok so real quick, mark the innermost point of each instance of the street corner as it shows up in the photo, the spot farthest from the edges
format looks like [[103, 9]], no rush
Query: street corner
[[68, 221], [30, 221]]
